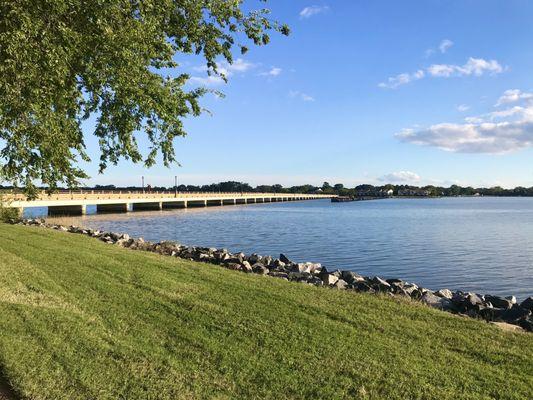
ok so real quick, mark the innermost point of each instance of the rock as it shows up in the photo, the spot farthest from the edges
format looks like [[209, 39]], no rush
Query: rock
[[441, 303], [527, 304], [337, 273], [445, 293], [394, 281], [300, 267], [341, 284], [499, 302], [267, 260], [507, 327], [283, 258], [260, 269], [278, 264], [329, 279], [363, 287], [246, 267], [409, 288], [315, 280], [527, 324], [233, 266], [515, 313], [380, 284], [282, 275], [351, 277], [512, 299], [299, 276], [254, 258]]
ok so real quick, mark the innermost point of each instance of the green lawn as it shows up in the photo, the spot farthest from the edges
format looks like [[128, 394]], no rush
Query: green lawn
[[80, 319]]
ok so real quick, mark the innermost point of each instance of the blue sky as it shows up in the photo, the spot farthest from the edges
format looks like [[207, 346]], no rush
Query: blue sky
[[418, 92]]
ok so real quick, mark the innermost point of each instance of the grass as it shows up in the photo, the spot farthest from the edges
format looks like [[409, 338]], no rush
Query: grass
[[84, 320]]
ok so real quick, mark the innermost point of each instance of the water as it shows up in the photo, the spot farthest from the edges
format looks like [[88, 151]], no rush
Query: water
[[476, 244]]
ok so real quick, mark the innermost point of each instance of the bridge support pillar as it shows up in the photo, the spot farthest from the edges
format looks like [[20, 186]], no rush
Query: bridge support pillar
[[156, 205], [112, 208], [214, 202], [197, 203], [174, 204], [67, 210]]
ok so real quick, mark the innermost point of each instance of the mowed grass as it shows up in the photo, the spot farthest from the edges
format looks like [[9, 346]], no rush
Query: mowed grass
[[80, 319]]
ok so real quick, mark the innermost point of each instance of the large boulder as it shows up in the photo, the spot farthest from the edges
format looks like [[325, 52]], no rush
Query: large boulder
[[441, 303], [498, 302], [329, 279], [527, 304], [246, 267], [299, 276], [380, 284], [445, 293], [351, 277], [284, 258], [260, 269], [341, 284], [512, 315]]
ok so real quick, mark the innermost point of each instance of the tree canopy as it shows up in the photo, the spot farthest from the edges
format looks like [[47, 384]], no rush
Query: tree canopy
[[62, 61]]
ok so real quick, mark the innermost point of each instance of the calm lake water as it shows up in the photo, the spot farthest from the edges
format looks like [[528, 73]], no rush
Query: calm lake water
[[475, 244]]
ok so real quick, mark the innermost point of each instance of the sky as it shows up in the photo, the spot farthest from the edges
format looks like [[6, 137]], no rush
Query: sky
[[382, 91]]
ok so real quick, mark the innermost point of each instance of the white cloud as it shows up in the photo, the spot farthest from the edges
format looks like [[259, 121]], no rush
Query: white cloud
[[474, 66], [299, 95], [212, 80], [492, 138], [498, 132], [274, 71], [401, 79], [463, 107], [225, 69], [445, 45], [400, 177], [308, 12], [512, 96]]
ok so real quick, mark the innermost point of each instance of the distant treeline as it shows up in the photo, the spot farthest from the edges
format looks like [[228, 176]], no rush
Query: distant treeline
[[326, 188]]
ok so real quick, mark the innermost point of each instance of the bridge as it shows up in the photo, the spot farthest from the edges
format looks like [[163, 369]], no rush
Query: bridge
[[75, 203]]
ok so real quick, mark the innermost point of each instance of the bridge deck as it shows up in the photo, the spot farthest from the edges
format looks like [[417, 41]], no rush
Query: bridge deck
[[76, 202]]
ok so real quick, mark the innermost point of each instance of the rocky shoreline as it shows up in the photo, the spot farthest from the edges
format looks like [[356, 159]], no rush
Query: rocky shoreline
[[496, 309]]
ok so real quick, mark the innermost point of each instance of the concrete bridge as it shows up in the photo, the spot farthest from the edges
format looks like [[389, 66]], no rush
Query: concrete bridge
[[75, 203]]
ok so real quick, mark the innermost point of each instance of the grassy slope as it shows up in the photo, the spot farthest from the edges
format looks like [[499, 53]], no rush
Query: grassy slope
[[85, 320]]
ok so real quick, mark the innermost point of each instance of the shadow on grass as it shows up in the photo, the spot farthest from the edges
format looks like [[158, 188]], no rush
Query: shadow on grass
[[6, 392]]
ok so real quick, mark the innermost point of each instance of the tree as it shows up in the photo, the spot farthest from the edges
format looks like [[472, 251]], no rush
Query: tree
[[62, 61]]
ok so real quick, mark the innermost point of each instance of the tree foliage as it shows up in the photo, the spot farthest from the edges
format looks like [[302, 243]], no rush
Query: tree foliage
[[62, 61]]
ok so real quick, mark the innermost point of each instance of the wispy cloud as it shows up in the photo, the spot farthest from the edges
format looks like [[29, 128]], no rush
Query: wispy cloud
[[400, 177], [402, 79], [300, 95], [512, 96], [463, 108], [474, 66], [274, 71], [308, 12], [225, 69], [445, 45], [498, 132]]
